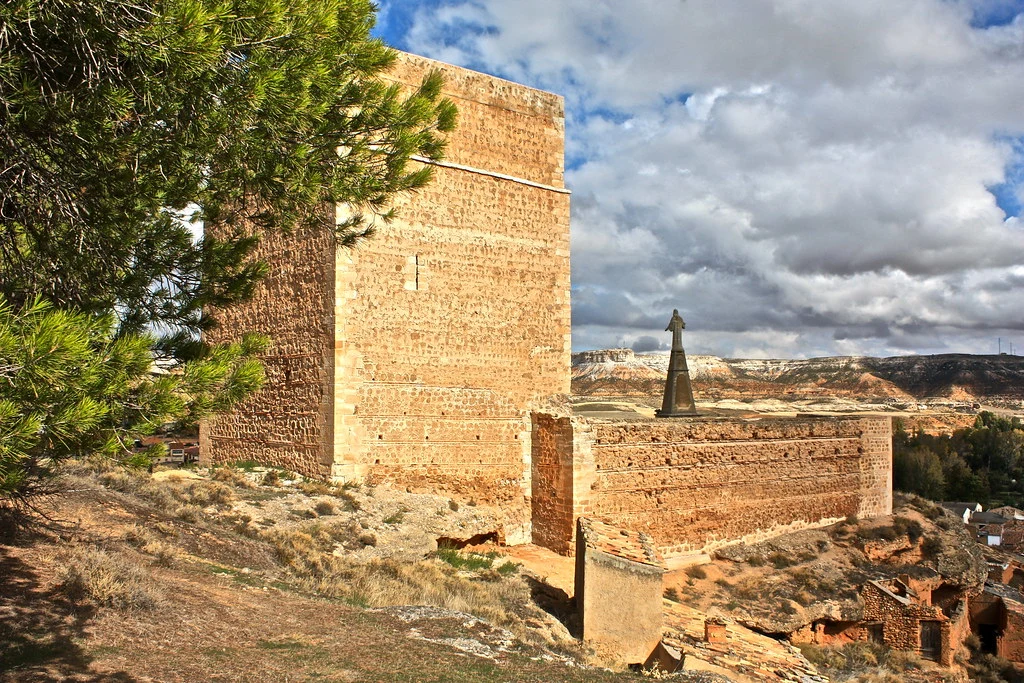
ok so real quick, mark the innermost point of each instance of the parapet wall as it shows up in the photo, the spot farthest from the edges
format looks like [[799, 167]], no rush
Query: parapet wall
[[695, 485]]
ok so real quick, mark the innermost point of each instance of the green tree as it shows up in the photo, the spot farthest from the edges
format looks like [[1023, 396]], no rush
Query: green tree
[[918, 470], [124, 124], [71, 388], [117, 117]]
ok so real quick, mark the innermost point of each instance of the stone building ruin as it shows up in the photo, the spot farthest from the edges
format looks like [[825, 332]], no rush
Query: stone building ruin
[[436, 357]]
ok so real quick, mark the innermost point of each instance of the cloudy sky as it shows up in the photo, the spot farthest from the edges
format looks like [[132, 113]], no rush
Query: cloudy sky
[[798, 177]]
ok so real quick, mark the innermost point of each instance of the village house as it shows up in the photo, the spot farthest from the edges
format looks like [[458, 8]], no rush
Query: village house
[[988, 527], [923, 616], [962, 510]]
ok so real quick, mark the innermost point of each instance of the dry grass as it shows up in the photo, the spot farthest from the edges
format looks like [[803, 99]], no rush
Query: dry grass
[[492, 594], [163, 553], [232, 476], [324, 508], [861, 662], [109, 579]]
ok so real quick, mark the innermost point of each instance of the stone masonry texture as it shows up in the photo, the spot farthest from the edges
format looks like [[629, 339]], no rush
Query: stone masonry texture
[[416, 357], [695, 485], [427, 357]]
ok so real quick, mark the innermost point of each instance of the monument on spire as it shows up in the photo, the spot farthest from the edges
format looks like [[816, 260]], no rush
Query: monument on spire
[[678, 401]]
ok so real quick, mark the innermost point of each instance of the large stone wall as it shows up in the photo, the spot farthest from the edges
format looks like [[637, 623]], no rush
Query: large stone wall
[[429, 344], [698, 484], [288, 423]]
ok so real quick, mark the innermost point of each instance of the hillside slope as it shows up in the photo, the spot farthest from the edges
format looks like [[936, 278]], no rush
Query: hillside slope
[[958, 377]]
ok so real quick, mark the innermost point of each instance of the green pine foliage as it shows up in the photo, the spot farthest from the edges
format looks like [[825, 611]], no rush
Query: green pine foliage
[[125, 125], [69, 387], [122, 121]]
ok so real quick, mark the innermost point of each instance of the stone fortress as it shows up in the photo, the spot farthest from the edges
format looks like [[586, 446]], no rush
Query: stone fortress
[[436, 357]]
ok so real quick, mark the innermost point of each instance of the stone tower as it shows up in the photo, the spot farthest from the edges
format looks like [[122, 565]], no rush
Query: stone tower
[[416, 357]]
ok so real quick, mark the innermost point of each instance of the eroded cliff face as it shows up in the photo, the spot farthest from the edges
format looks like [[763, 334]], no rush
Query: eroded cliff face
[[958, 377]]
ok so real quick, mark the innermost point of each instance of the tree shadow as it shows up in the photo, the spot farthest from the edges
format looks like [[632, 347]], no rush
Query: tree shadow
[[557, 603], [40, 629]]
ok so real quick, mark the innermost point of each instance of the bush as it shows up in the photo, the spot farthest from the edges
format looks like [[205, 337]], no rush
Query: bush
[[188, 513], [232, 476], [73, 384], [396, 517], [508, 568], [861, 661], [696, 572], [163, 553], [781, 560], [932, 546], [324, 507], [107, 579], [464, 561], [911, 527]]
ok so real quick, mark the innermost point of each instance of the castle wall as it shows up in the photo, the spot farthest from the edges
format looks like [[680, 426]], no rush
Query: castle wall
[[453, 321], [698, 484], [288, 424], [416, 356]]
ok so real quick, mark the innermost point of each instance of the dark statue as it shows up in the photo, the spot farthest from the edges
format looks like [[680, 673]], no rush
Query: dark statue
[[678, 401]]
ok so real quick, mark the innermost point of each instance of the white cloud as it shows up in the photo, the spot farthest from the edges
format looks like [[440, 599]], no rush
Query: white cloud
[[798, 177]]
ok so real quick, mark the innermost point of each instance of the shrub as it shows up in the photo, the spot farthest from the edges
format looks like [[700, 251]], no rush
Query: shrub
[[911, 527], [672, 594], [271, 478], [352, 503], [107, 579], [987, 668], [244, 526], [163, 553], [508, 568], [315, 488], [696, 572], [931, 546], [120, 480], [324, 507], [464, 561], [231, 475], [396, 517], [203, 494], [188, 513], [781, 560]]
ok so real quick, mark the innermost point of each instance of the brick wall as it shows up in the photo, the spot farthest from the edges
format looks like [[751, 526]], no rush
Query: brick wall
[[697, 484]]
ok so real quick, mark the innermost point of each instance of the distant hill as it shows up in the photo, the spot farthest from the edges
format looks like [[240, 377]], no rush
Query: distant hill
[[957, 377]]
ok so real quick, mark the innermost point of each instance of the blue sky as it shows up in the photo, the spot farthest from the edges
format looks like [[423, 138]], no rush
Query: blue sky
[[798, 177]]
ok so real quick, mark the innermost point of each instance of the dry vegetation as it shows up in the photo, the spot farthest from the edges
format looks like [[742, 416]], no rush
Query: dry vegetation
[[866, 663], [137, 555]]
